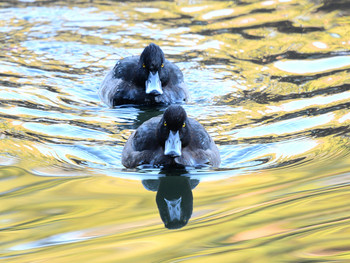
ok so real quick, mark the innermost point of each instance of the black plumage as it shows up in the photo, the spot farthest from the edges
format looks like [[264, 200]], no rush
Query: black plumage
[[127, 82], [147, 145]]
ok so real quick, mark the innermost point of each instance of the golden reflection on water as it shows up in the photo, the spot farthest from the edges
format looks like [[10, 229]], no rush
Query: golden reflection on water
[[269, 81], [262, 216]]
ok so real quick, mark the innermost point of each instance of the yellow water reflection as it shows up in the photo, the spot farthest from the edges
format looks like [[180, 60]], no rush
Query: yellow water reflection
[[269, 81], [263, 216]]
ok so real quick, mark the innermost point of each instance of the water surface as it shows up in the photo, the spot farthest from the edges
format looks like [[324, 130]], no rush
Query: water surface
[[270, 82]]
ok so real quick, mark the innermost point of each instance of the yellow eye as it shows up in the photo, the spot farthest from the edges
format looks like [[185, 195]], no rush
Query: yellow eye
[[184, 125], [164, 123], [143, 65], [162, 65]]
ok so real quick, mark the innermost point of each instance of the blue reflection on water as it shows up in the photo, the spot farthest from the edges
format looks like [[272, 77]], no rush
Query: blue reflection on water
[[313, 66], [64, 238]]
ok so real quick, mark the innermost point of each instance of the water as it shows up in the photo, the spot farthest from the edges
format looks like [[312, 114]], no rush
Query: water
[[270, 82]]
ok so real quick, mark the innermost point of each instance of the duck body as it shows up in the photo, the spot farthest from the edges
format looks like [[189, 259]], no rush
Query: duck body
[[173, 141], [148, 79]]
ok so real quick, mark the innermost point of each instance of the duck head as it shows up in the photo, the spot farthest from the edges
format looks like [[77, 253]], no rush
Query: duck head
[[173, 131], [151, 65]]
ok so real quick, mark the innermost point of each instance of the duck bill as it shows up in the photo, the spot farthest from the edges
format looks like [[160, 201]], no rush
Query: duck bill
[[153, 84], [173, 144], [174, 209]]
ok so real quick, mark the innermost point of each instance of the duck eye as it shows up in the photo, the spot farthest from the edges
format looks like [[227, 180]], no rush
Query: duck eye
[[162, 65], [164, 123], [143, 65], [184, 125]]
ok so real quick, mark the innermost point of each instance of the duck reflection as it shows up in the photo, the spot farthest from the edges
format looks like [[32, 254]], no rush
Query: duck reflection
[[174, 197], [146, 113]]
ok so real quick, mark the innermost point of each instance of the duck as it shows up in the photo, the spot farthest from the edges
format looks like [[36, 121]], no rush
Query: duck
[[174, 196], [171, 140], [148, 79]]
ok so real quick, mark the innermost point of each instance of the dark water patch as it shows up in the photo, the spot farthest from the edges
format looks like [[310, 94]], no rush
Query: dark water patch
[[268, 59], [301, 95], [309, 112], [181, 20], [290, 163], [333, 5], [9, 84], [31, 105], [339, 131], [281, 26], [266, 97], [77, 103], [263, 10], [300, 80]]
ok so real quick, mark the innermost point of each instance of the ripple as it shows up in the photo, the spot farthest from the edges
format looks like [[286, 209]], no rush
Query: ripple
[[269, 81], [59, 239], [313, 66], [284, 127]]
